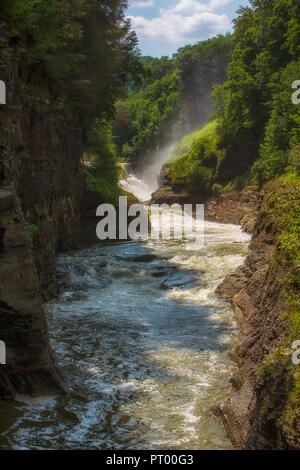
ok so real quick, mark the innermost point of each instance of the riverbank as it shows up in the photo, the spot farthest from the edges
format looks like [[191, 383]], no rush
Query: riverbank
[[232, 207], [263, 411]]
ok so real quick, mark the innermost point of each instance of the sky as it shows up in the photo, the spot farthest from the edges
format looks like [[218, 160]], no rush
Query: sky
[[163, 26]]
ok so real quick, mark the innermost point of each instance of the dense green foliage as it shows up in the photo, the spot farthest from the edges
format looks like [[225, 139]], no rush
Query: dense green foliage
[[280, 148], [258, 126], [83, 47], [79, 53], [254, 106], [197, 158], [148, 111], [103, 170], [86, 54], [172, 99]]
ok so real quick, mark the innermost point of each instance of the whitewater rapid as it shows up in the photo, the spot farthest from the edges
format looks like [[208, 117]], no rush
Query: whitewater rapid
[[145, 344]]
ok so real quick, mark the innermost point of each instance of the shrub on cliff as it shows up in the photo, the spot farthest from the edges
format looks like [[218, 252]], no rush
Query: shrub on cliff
[[102, 170]]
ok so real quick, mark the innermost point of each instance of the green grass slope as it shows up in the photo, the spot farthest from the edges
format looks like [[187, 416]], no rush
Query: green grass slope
[[194, 160]]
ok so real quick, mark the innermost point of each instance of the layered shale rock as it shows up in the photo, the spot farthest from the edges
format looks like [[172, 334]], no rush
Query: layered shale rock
[[263, 412], [41, 186]]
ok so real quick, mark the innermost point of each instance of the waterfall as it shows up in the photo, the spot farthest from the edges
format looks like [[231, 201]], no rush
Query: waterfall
[[145, 182]]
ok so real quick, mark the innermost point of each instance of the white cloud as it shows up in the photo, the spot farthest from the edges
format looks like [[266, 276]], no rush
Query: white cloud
[[190, 6], [142, 4], [193, 6], [189, 21]]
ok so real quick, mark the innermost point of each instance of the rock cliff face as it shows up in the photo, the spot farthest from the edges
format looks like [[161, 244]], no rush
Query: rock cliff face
[[41, 186], [263, 411]]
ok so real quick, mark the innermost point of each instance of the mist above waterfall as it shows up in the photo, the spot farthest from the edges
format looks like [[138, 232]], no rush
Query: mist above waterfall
[[145, 180]]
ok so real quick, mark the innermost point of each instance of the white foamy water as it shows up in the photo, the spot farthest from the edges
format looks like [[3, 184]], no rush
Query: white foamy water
[[145, 345], [138, 187], [146, 183]]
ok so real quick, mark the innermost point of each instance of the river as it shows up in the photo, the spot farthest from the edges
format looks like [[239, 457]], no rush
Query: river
[[145, 343]]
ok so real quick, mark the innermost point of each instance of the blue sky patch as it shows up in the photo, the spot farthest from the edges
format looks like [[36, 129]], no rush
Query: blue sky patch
[[165, 25]]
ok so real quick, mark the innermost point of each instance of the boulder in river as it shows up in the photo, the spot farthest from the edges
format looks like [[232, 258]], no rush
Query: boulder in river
[[181, 279], [146, 258]]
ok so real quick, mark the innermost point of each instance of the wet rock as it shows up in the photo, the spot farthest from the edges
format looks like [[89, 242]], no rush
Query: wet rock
[[7, 198], [147, 258], [162, 269], [168, 194], [122, 273], [182, 280], [235, 207], [160, 272], [234, 283], [237, 380], [234, 414], [100, 266]]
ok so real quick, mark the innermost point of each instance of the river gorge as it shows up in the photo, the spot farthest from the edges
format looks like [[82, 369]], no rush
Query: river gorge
[[164, 343], [144, 338]]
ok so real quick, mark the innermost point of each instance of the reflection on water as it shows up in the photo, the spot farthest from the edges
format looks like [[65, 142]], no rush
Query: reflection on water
[[145, 345]]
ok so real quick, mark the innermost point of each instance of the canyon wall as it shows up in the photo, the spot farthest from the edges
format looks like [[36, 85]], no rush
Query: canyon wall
[[264, 409], [41, 188]]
